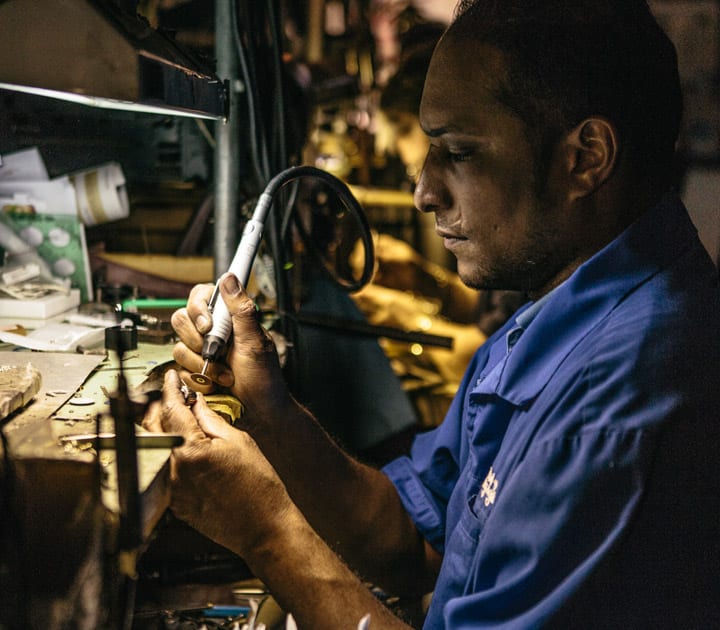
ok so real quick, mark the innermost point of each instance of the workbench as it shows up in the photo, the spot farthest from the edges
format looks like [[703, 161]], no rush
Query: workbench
[[64, 503]]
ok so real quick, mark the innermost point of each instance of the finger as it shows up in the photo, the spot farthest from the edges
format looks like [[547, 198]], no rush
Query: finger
[[186, 329], [176, 417], [153, 417], [172, 393], [187, 358], [246, 323], [210, 422], [197, 307], [193, 321]]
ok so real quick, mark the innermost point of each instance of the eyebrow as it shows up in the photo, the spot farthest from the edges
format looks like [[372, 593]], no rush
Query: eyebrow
[[437, 131]]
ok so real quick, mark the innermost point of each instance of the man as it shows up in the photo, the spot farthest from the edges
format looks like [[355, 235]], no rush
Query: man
[[574, 482]]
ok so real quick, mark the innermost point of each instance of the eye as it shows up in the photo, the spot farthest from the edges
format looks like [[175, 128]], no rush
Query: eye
[[459, 156]]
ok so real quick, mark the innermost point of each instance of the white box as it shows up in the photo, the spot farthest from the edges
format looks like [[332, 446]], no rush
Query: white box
[[41, 308]]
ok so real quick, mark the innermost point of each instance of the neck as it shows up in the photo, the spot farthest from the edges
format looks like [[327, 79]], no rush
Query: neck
[[602, 218]]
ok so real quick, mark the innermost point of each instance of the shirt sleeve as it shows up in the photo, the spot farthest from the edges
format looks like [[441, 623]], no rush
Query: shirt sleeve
[[426, 479]]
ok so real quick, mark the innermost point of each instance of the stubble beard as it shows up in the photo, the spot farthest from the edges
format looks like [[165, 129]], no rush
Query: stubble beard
[[527, 270]]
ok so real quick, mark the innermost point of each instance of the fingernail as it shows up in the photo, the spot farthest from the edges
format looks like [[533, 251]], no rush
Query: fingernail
[[202, 323], [231, 285]]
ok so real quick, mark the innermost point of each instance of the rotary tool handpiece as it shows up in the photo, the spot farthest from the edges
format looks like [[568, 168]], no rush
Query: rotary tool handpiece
[[216, 340]]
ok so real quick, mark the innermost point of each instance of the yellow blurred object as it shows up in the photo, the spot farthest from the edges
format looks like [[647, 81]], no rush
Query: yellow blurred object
[[430, 375], [382, 197], [186, 269], [226, 406]]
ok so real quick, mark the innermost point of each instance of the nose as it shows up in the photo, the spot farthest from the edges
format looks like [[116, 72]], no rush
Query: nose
[[431, 193]]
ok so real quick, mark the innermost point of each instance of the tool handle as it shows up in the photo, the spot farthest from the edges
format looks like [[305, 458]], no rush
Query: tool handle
[[215, 342], [240, 266]]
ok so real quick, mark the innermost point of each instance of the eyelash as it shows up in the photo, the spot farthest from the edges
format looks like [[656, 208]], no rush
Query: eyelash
[[459, 156]]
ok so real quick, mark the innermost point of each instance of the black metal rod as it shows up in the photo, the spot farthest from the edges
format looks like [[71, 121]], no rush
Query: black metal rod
[[356, 327]]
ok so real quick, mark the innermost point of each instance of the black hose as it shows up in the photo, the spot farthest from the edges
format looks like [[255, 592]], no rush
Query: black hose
[[350, 203]]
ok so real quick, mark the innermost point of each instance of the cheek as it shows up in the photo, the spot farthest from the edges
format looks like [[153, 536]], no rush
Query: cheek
[[486, 213], [498, 227]]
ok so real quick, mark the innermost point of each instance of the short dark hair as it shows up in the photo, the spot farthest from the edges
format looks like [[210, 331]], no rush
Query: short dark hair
[[570, 59], [404, 88]]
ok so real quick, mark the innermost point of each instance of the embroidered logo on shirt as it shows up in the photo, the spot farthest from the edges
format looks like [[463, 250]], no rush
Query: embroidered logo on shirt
[[488, 490]]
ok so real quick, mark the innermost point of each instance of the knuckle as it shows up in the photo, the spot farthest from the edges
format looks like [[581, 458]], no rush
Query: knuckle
[[166, 412], [245, 306], [179, 353], [178, 319]]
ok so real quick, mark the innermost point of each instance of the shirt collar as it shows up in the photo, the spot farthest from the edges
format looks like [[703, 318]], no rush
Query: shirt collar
[[555, 324], [525, 318]]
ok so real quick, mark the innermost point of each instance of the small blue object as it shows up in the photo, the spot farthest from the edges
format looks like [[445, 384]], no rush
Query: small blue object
[[226, 611]]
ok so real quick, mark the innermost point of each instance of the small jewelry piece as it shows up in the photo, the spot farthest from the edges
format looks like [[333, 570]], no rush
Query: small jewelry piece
[[189, 394]]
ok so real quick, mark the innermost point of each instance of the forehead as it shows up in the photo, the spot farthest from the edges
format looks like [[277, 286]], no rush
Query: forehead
[[463, 79]]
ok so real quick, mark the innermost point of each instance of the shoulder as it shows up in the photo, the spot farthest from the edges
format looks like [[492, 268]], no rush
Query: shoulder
[[636, 358]]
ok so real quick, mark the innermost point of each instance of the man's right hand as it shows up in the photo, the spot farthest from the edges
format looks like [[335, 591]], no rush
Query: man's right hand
[[251, 368]]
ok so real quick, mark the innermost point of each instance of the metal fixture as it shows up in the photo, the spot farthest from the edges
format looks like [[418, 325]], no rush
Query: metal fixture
[[97, 53]]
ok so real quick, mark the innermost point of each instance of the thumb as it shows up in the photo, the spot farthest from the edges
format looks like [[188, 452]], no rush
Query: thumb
[[210, 422], [247, 329], [240, 306]]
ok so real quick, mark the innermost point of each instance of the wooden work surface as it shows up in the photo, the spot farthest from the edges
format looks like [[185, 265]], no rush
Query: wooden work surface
[[64, 499], [68, 379]]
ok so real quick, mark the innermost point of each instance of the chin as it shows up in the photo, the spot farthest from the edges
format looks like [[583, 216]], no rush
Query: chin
[[473, 279], [483, 280]]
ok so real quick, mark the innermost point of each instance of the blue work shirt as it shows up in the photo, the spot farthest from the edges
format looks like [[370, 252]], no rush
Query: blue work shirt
[[574, 482]]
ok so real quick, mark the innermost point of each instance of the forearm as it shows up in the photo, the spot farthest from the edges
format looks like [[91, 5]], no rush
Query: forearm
[[355, 508], [227, 489], [311, 581]]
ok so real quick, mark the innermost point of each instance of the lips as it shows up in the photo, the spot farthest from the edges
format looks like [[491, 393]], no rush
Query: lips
[[443, 233], [450, 239]]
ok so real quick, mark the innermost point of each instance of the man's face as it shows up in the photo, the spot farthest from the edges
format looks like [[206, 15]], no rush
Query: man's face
[[478, 178]]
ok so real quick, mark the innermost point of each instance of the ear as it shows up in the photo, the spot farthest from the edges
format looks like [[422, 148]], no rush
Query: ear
[[592, 149]]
